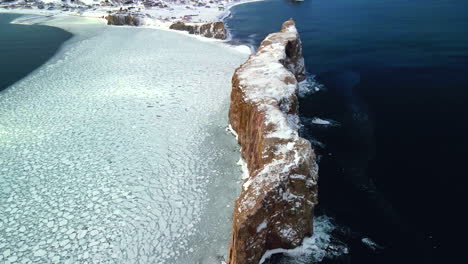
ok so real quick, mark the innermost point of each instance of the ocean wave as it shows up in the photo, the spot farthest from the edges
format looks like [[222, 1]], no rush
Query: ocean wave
[[317, 121], [319, 246], [309, 86]]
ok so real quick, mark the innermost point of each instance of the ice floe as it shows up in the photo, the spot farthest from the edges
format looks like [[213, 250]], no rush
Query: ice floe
[[115, 151]]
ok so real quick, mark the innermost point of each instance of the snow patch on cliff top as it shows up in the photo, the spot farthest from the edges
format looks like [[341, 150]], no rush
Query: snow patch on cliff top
[[263, 77], [266, 81]]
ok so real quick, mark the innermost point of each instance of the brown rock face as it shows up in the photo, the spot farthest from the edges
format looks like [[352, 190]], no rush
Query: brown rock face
[[210, 30], [122, 19], [275, 207]]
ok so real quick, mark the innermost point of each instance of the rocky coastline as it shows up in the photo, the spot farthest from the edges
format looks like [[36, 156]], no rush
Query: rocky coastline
[[124, 20], [275, 207], [201, 17], [215, 30]]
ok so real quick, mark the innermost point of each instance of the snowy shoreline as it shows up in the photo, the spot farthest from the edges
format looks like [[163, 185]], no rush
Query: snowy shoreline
[[42, 16], [159, 18], [227, 13]]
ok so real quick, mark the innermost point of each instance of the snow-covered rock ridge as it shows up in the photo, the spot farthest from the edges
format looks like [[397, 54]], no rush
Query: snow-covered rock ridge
[[275, 207]]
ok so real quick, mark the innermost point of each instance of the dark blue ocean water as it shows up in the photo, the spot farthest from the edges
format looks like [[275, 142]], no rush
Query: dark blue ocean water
[[396, 80], [23, 48]]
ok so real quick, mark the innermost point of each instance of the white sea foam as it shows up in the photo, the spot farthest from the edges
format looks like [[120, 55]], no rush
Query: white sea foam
[[320, 121], [309, 86], [114, 151], [313, 249], [370, 243]]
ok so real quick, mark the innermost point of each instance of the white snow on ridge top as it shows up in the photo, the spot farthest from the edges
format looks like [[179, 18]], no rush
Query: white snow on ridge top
[[77, 2], [262, 77], [114, 151], [266, 81]]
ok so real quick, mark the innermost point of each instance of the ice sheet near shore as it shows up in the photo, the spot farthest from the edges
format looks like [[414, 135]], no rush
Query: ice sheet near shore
[[115, 151]]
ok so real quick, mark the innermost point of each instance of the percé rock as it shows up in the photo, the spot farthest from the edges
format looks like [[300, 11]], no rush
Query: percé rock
[[210, 30], [275, 207], [123, 19]]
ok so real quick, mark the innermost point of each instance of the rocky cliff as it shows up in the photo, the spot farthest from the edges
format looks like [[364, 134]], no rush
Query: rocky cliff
[[210, 30], [124, 19], [275, 207]]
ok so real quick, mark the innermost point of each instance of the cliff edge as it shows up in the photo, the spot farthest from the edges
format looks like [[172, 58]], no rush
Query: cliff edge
[[124, 19], [275, 207], [215, 30]]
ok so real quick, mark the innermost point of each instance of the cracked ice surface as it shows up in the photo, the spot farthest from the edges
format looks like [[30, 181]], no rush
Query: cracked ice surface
[[115, 151]]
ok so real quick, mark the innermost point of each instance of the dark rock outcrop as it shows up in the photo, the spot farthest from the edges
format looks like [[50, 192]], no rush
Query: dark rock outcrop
[[210, 30], [123, 19], [275, 207]]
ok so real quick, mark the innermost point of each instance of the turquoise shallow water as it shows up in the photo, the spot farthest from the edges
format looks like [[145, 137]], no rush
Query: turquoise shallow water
[[395, 78], [23, 48]]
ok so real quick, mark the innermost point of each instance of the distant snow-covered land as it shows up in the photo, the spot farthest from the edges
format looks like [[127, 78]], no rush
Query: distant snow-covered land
[[154, 12]]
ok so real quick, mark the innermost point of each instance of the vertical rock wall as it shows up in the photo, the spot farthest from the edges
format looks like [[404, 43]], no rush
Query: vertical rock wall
[[123, 19], [209, 30], [275, 207]]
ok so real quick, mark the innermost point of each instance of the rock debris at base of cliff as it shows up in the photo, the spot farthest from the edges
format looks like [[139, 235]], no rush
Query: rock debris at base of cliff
[[275, 207]]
